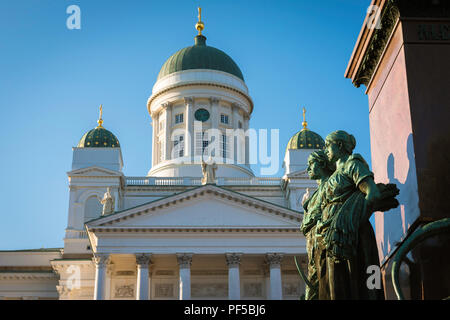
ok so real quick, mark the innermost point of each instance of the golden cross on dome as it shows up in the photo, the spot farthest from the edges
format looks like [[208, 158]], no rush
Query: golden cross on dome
[[100, 120], [200, 25], [304, 123]]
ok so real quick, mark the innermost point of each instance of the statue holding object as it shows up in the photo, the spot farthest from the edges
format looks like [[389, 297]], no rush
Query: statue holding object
[[344, 241], [108, 202]]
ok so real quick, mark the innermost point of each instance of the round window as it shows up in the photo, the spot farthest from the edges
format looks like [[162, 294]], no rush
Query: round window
[[201, 115]]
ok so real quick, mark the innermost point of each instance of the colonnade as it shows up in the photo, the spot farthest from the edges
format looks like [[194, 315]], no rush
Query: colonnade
[[144, 260]]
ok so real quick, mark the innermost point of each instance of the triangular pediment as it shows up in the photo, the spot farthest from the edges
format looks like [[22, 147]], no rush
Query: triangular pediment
[[202, 208], [300, 174], [94, 171]]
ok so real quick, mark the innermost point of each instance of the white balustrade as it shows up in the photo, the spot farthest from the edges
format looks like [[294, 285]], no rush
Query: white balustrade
[[196, 181]]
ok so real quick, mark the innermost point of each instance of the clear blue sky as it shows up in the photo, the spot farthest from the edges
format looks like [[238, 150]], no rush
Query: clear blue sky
[[52, 80]]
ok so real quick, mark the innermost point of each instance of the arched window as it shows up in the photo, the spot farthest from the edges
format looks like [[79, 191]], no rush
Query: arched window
[[92, 208]]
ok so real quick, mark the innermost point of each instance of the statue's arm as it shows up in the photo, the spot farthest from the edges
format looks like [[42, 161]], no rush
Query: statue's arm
[[369, 187]]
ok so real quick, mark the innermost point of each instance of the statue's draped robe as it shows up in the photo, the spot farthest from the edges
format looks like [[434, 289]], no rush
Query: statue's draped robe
[[108, 204], [312, 214], [346, 243], [209, 173]]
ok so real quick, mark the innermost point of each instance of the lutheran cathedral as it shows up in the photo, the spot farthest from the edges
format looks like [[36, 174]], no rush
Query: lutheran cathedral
[[166, 234]]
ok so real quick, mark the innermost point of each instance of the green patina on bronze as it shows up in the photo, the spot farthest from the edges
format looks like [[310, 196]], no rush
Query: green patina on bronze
[[200, 56], [340, 238], [427, 231], [99, 138], [320, 169]]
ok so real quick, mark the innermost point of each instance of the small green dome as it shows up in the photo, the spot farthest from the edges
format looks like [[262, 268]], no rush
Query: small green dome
[[200, 56], [306, 139], [99, 138]]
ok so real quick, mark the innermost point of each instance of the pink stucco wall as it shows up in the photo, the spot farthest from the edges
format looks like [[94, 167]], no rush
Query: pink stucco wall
[[393, 159]]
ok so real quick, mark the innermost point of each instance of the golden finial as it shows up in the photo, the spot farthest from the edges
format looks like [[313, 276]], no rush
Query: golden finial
[[304, 123], [200, 25], [100, 120]]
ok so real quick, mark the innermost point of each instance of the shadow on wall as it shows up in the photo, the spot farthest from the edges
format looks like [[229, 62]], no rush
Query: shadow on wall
[[397, 221]]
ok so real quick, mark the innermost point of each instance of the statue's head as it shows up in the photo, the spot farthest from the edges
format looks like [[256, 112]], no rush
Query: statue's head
[[319, 166], [338, 144]]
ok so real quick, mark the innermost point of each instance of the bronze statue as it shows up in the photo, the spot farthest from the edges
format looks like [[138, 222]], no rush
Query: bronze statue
[[345, 241], [319, 168]]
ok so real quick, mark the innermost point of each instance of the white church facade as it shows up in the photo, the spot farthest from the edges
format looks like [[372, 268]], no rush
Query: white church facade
[[168, 235]]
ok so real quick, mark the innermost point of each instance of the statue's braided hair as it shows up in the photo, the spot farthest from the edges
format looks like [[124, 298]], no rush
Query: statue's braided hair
[[348, 140]]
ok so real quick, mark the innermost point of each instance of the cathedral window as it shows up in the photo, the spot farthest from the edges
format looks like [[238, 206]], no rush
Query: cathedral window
[[201, 143], [224, 146], [178, 146], [224, 118], [179, 118]]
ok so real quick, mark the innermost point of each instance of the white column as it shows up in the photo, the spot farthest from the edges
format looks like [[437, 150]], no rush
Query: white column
[[189, 129], [234, 282], [72, 207], [235, 143], [142, 260], [215, 112], [110, 268], [274, 261], [100, 260], [247, 141], [155, 125], [184, 262], [167, 129]]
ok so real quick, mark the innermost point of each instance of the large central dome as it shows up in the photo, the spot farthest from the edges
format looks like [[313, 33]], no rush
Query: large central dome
[[200, 56]]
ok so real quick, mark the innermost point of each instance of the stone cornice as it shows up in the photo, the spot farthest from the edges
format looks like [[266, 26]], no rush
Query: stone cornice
[[28, 276], [371, 44], [377, 45], [84, 173], [195, 229], [153, 97]]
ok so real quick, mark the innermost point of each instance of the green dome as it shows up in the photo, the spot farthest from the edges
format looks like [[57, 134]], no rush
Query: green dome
[[200, 56], [99, 138], [306, 139]]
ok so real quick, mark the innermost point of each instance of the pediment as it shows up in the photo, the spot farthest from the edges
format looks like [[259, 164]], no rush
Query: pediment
[[203, 207], [301, 174], [94, 171]]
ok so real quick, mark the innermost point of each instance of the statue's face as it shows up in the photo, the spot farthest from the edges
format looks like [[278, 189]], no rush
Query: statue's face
[[333, 150], [314, 170]]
